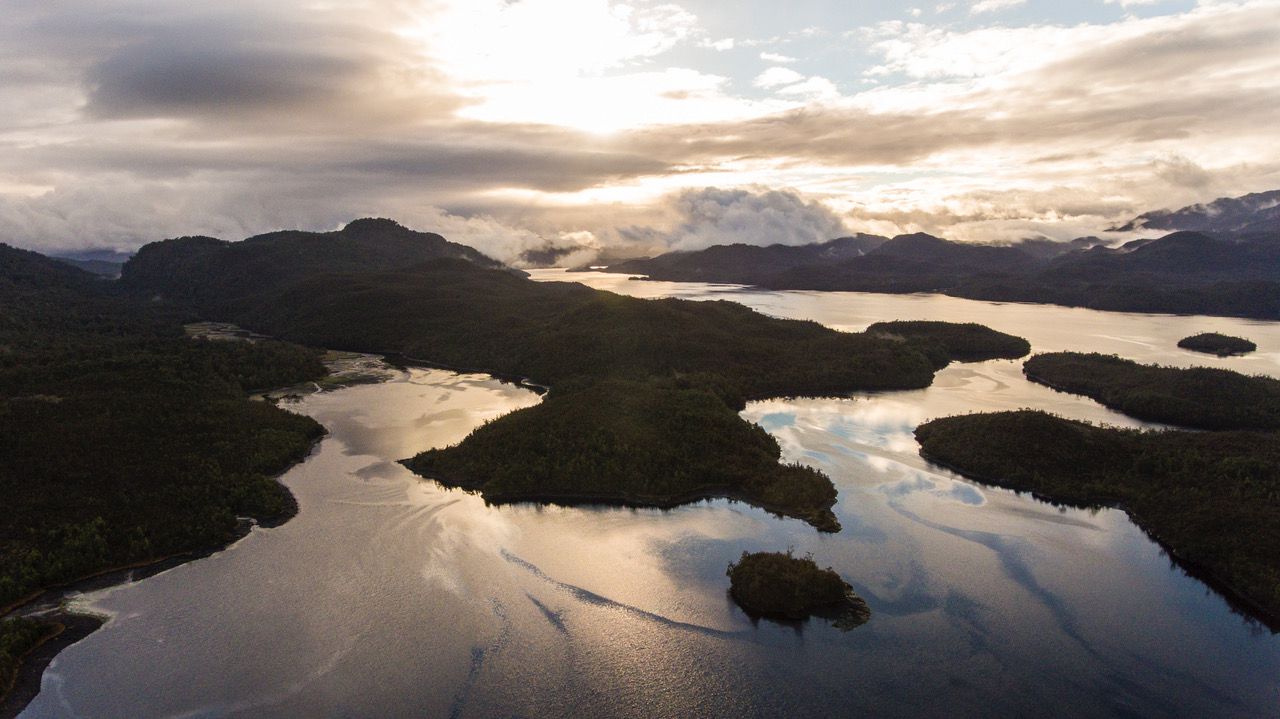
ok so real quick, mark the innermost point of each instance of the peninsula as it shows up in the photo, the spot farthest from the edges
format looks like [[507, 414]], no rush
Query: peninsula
[[644, 399]]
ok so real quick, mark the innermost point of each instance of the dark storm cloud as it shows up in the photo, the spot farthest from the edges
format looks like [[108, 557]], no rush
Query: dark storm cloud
[[372, 161], [183, 76]]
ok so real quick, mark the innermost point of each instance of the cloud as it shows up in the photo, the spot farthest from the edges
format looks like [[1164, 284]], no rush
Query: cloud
[[985, 6], [776, 76], [179, 76], [696, 219], [504, 122]]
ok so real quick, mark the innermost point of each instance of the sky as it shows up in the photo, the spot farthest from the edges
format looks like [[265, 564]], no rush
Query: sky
[[627, 127]]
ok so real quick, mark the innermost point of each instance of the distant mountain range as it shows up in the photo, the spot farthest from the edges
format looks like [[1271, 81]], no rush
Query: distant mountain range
[[1233, 270], [1253, 214]]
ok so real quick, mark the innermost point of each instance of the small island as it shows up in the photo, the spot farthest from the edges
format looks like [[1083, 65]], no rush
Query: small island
[[778, 585], [955, 341], [1194, 397], [1216, 344]]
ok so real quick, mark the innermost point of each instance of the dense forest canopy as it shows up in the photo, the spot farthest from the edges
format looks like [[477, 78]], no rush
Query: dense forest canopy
[[1197, 397], [123, 440], [962, 342], [636, 384], [1217, 344]]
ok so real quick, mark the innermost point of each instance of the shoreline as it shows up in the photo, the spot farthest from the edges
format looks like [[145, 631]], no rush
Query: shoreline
[[635, 501], [48, 603], [397, 359], [1238, 602], [637, 277], [71, 628]]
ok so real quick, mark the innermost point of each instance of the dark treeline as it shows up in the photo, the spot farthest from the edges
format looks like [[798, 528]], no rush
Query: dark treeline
[[1216, 344], [779, 585], [638, 386], [1199, 397], [122, 440], [1212, 498]]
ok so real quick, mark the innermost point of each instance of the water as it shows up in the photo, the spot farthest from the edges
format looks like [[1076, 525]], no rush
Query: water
[[389, 596]]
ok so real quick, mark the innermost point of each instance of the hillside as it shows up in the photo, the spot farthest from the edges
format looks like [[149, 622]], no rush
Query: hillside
[[637, 385], [747, 264], [207, 271], [1182, 272], [120, 439]]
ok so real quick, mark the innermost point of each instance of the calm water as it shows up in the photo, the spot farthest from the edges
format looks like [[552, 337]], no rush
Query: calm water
[[388, 596]]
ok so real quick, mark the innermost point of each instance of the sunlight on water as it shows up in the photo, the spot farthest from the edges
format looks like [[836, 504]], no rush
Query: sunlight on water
[[391, 596]]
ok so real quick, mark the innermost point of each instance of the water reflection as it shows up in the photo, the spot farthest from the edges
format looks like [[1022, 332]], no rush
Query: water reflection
[[390, 596]]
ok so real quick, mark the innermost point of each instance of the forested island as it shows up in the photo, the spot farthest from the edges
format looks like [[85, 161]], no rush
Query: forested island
[[1199, 397], [1210, 498], [644, 393], [778, 585], [1217, 344], [962, 342]]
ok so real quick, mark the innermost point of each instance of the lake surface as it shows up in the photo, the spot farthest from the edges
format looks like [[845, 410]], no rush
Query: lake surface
[[389, 596]]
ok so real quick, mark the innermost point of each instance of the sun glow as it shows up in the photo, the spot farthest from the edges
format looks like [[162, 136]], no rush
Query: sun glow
[[584, 64]]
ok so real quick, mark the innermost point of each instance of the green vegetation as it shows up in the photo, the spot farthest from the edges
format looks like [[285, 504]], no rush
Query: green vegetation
[[1211, 498], [645, 393], [1199, 397], [654, 443], [123, 441], [946, 341], [17, 637], [1216, 344], [780, 586]]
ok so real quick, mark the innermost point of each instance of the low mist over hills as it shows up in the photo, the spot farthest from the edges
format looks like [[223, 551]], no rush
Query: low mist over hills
[[1232, 273], [1252, 214]]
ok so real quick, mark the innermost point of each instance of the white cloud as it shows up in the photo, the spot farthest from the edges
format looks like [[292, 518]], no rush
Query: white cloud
[[985, 6], [775, 57], [696, 219], [777, 76], [815, 88]]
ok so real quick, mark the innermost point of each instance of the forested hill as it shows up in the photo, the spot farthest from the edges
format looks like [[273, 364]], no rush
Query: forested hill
[[637, 385], [1182, 272], [748, 264], [121, 440], [207, 271]]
